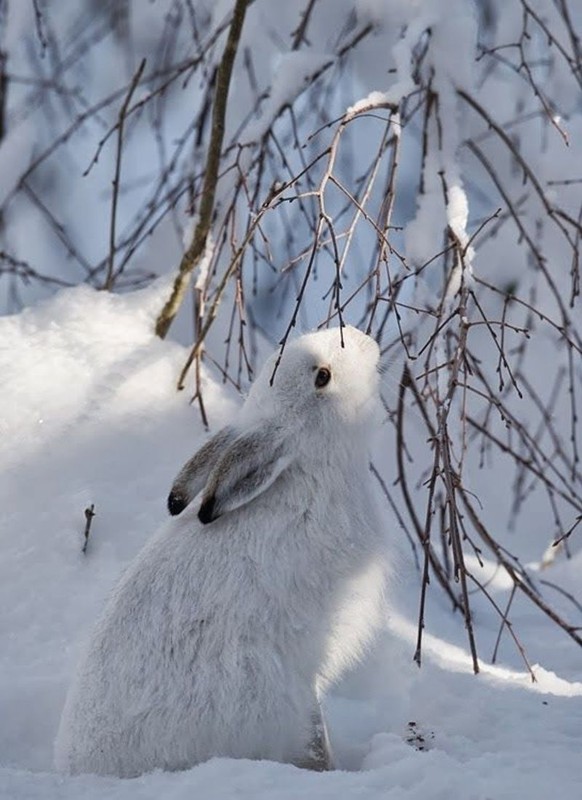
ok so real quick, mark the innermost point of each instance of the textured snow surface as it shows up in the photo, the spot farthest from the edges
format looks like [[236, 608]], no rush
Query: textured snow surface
[[89, 414]]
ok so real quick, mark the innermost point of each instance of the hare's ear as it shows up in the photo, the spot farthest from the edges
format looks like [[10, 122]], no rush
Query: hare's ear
[[194, 474], [251, 463]]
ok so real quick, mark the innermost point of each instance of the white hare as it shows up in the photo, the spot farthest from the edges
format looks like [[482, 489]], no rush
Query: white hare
[[224, 631]]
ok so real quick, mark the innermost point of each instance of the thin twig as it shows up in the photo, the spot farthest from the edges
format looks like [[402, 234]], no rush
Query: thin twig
[[109, 279]]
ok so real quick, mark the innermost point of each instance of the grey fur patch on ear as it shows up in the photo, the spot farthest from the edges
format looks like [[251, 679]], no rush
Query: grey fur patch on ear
[[249, 466], [194, 474]]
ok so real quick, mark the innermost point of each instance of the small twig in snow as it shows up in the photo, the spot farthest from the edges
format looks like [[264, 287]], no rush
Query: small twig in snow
[[89, 514]]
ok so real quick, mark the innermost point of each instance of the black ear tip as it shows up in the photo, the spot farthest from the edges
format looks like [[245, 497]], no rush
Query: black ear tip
[[206, 513], [176, 503]]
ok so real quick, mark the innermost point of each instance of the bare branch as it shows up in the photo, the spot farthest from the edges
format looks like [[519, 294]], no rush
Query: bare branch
[[196, 249]]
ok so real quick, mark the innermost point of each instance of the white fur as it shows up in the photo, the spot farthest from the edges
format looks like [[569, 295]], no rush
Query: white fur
[[220, 637]]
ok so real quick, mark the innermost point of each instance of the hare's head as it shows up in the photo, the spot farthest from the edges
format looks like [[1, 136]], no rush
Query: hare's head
[[324, 377], [322, 390]]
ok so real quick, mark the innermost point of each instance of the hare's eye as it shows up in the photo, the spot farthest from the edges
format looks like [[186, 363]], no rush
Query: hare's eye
[[323, 377]]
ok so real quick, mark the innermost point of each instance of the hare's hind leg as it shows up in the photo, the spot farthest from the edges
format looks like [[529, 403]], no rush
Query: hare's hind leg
[[318, 755]]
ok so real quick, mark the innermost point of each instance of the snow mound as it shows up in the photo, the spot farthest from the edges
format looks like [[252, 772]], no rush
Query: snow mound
[[89, 415]]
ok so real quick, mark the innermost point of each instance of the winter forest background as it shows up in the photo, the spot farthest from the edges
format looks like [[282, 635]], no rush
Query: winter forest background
[[184, 184]]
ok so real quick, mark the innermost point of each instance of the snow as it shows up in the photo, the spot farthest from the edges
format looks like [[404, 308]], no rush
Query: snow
[[458, 212], [457, 217], [90, 414], [202, 271], [368, 103]]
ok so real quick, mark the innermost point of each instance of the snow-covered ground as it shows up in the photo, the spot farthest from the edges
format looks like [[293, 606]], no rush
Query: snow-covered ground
[[89, 414]]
